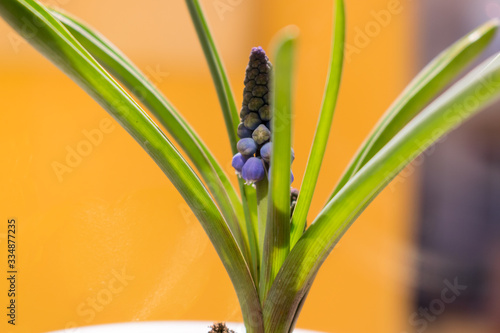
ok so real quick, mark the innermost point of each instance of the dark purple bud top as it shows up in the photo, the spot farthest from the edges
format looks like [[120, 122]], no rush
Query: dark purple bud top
[[255, 104], [261, 134], [238, 162], [256, 85], [266, 98], [265, 152], [265, 113], [293, 155], [247, 147], [259, 91], [253, 170], [244, 112], [244, 132]]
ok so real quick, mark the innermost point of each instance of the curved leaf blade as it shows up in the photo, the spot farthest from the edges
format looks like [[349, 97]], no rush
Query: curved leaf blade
[[324, 125], [426, 85], [464, 99], [113, 60], [221, 81], [277, 232]]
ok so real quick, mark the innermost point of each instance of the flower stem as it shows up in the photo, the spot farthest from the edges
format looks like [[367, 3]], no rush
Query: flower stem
[[262, 203]]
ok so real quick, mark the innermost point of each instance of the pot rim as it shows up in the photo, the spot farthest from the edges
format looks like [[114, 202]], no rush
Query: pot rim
[[157, 327]]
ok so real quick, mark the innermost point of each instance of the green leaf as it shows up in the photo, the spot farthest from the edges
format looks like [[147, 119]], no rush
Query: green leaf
[[262, 189], [221, 81], [58, 45], [323, 128], [113, 60], [477, 90], [250, 207], [228, 106], [277, 237], [426, 85]]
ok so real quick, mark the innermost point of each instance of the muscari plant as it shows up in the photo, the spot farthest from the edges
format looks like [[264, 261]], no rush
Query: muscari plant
[[260, 235]]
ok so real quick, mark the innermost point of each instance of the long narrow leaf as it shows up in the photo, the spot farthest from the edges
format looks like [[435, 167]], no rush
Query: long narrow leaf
[[57, 44], [127, 73], [428, 83], [277, 237], [323, 128], [229, 109], [221, 81], [477, 90]]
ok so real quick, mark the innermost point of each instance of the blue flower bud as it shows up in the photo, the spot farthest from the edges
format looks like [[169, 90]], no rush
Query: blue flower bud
[[261, 134], [244, 132], [247, 147], [238, 162], [265, 152], [253, 170]]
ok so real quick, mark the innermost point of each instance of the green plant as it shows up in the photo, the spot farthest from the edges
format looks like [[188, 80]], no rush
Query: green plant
[[271, 260]]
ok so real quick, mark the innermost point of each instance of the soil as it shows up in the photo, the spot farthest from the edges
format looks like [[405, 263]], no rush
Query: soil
[[220, 328]]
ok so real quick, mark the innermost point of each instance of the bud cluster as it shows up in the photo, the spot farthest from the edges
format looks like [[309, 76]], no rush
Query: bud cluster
[[255, 147]]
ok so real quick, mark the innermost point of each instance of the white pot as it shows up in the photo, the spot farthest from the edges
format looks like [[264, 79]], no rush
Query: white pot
[[159, 327]]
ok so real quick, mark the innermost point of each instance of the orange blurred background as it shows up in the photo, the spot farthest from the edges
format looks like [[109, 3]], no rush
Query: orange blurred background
[[112, 241]]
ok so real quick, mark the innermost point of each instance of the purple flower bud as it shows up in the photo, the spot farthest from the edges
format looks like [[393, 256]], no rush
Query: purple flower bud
[[261, 134], [247, 146], [265, 152], [238, 162], [244, 132], [293, 156], [253, 170]]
